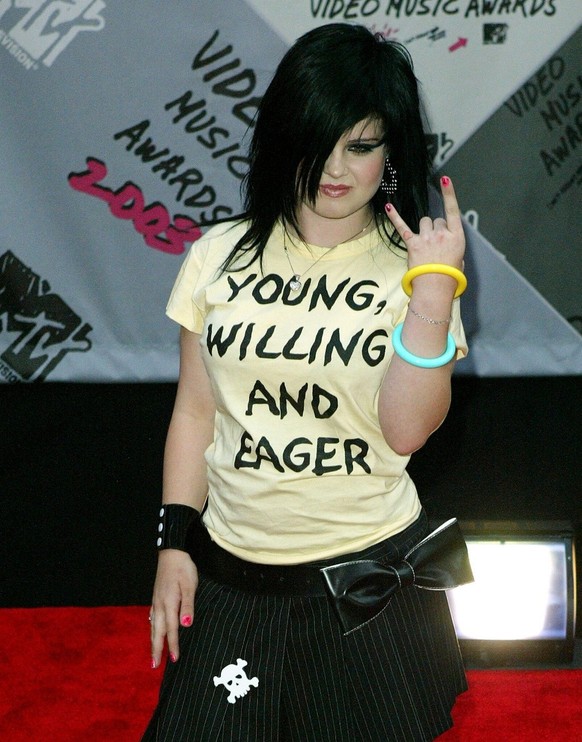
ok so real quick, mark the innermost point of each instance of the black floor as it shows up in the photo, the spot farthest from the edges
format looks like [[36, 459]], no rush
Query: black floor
[[80, 473]]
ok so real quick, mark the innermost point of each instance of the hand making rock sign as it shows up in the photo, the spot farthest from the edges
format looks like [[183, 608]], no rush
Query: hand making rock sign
[[441, 240]]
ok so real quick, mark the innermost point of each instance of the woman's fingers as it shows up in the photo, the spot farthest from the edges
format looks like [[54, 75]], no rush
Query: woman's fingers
[[398, 222], [425, 226], [450, 203], [440, 240], [172, 636], [452, 220], [159, 631], [173, 602], [164, 627]]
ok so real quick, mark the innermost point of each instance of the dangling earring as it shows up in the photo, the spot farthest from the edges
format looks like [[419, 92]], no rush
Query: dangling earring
[[389, 182]]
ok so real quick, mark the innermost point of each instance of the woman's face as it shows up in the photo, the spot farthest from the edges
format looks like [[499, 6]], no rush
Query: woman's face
[[351, 175]]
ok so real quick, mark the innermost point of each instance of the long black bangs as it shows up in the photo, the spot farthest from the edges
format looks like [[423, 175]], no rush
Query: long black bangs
[[325, 128]]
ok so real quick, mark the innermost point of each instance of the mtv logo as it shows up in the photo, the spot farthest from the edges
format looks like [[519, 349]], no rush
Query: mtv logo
[[37, 328], [47, 28], [495, 33]]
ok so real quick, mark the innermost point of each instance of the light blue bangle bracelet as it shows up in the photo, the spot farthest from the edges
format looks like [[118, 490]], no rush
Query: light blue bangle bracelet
[[409, 357]]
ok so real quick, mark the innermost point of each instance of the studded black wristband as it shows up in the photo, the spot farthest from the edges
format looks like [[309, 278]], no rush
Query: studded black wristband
[[175, 520]]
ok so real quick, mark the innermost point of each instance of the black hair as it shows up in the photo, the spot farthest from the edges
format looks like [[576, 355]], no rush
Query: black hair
[[333, 77]]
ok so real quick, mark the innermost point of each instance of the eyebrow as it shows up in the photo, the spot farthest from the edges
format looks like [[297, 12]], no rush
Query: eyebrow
[[358, 140]]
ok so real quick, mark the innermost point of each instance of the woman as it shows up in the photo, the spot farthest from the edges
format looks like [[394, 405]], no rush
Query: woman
[[294, 421]]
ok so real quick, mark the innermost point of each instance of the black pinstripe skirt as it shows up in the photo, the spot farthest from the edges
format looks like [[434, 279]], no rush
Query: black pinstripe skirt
[[264, 668]]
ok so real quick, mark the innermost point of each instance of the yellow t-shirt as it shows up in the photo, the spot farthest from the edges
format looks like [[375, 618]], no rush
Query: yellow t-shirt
[[299, 469]]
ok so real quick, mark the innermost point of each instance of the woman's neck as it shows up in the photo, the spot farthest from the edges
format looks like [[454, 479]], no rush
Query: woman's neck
[[326, 232]]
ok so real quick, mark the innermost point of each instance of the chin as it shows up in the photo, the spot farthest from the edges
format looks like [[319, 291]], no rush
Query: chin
[[337, 210]]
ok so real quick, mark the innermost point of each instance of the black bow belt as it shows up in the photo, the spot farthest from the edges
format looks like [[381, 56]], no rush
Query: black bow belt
[[361, 589]]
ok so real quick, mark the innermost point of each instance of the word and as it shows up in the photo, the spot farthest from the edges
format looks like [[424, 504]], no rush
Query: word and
[[152, 221], [323, 403]]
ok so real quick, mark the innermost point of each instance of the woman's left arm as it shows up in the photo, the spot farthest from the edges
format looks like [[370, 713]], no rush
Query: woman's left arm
[[414, 401]]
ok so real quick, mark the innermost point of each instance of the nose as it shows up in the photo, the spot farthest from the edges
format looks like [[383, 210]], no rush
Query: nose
[[335, 165]]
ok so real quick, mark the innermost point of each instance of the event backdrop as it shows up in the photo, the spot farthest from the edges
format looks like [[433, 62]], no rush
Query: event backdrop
[[123, 126]]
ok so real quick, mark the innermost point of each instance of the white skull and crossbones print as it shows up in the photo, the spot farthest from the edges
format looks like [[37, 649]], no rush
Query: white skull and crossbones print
[[235, 680]]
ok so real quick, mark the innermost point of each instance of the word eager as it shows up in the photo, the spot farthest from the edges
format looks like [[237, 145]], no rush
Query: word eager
[[302, 453]]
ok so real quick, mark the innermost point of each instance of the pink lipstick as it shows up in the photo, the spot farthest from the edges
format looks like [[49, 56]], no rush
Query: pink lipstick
[[333, 191]]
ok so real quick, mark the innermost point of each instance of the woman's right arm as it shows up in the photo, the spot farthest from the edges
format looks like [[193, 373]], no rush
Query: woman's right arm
[[184, 482]]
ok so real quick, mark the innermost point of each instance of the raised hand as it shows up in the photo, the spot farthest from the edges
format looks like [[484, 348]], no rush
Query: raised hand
[[438, 241]]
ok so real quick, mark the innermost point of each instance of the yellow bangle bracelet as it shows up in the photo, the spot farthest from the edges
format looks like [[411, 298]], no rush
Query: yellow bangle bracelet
[[443, 268]]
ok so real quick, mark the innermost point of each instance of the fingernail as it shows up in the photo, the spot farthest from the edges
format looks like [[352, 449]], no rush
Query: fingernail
[[173, 657], [445, 181], [186, 620], [153, 664], [388, 207]]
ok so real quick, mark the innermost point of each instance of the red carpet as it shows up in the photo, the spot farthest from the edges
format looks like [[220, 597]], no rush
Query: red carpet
[[71, 674]]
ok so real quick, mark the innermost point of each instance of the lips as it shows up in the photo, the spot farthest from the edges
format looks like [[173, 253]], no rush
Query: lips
[[333, 191]]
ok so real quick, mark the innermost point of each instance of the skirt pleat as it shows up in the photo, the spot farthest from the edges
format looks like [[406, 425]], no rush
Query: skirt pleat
[[407, 669]]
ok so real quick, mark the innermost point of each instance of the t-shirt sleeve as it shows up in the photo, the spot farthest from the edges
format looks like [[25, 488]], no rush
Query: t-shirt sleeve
[[181, 306], [202, 265]]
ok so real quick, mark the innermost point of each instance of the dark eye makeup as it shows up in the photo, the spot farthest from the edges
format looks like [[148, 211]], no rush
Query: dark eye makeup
[[364, 146]]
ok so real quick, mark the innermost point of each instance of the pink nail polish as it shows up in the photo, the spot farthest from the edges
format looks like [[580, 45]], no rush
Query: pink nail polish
[[445, 181], [173, 657], [153, 664], [186, 620], [388, 207]]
